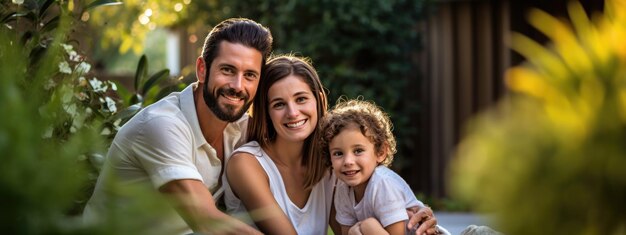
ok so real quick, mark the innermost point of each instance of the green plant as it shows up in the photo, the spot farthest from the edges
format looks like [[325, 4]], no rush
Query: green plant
[[52, 129], [550, 158]]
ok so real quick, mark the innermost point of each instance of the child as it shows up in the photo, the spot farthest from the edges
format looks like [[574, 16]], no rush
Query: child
[[357, 138]]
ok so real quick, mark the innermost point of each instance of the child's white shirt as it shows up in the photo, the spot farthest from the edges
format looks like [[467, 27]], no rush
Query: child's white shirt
[[386, 198]]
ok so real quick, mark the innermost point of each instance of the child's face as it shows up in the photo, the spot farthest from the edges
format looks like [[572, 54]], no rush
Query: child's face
[[354, 157]]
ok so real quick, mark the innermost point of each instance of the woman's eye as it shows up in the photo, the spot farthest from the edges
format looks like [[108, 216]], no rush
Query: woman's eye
[[301, 99], [278, 105]]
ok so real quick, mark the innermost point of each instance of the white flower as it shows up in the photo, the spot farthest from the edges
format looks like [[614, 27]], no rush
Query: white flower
[[50, 84], [68, 48], [18, 2], [64, 67], [48, 132], [97, 85], [105, 131], [113, 86], [111, 104], [70, 109], [74, 56], [82, 68]]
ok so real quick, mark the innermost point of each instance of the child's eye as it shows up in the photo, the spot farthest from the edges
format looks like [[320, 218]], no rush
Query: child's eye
[[359, 151], [336, 154]]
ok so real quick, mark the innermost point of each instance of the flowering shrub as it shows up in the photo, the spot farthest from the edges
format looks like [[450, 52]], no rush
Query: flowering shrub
[[550, 158]]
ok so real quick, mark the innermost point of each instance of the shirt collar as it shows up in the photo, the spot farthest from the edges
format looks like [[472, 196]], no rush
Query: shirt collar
[[188, 108]]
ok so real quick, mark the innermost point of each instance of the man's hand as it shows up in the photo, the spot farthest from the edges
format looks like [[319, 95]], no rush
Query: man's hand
[[424, 217]]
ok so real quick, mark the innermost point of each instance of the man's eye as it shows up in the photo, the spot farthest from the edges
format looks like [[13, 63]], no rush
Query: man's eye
[[250, 76], [227, 70]]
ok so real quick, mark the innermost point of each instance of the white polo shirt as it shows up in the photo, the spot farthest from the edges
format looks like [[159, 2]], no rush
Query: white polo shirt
[[162, 143]]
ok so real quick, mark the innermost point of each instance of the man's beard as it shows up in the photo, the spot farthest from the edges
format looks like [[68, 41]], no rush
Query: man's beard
[[229, 113]]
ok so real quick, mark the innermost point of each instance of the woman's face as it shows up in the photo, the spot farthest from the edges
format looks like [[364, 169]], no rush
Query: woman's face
[[292, 109]]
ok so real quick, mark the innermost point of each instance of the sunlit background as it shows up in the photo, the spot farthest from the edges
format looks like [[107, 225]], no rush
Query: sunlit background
[[511, 108]]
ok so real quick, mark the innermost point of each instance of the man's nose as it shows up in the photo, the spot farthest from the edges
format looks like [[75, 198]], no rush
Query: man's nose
[[237, 82]]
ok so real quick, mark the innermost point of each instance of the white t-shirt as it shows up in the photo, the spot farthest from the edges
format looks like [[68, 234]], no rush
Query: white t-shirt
[[162, 143], [386, 198], [311, 219]]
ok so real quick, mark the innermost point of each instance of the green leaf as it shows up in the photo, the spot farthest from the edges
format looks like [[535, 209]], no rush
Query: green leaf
[[137, 98], [153, 80], [8, 17], [169, 89], [45, 7], [13, 16], [52, 24], [98, 3], [141, 73], [123, 93], [126, 113]]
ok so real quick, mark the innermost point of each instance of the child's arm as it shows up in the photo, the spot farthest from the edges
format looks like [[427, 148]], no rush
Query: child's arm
[[397, 228], [371, 226]]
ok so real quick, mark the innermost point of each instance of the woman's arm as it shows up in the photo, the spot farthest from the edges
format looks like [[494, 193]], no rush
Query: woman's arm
[[250, 183], [196, 205]]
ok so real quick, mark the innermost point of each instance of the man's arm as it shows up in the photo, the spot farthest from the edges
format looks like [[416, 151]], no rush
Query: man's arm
[[424, 217], [196, 205]]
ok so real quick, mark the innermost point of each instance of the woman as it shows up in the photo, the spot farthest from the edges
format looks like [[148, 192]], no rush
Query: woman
[[279, 177]]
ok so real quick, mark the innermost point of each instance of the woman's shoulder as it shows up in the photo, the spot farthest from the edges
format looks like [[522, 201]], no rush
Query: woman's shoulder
[[250, 148]]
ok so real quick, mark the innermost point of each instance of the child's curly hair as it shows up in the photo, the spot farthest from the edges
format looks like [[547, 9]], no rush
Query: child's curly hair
[[371, 120]]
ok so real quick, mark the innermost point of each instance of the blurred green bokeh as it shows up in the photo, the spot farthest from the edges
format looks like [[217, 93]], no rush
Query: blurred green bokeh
[[551, 157]]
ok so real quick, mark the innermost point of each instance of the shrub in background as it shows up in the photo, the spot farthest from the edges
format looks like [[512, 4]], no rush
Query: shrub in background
[[360, 48], [550, 159]]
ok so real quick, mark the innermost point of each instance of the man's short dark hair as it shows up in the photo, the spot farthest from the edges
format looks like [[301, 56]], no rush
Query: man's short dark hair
[[237, 30]]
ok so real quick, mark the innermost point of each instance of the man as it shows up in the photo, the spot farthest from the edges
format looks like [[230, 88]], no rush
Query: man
[[179, 144]]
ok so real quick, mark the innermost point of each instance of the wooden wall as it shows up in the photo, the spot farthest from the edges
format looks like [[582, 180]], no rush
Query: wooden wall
[[466, 53]]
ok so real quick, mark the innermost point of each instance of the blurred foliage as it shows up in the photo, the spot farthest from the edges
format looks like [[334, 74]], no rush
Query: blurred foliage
[[58, 119], [550, 159], [360, 48], [126, 27]]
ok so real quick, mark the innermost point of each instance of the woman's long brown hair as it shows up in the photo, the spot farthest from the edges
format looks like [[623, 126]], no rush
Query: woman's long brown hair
[[261, 128]]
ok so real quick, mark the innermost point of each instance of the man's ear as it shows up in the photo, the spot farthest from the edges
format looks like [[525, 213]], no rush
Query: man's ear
[[200, 69]]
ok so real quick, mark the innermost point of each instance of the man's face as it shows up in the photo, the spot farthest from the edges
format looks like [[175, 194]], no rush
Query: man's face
[[232, 80]]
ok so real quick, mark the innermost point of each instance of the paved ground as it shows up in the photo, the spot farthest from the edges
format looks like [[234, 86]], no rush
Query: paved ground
[[455, 222]]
